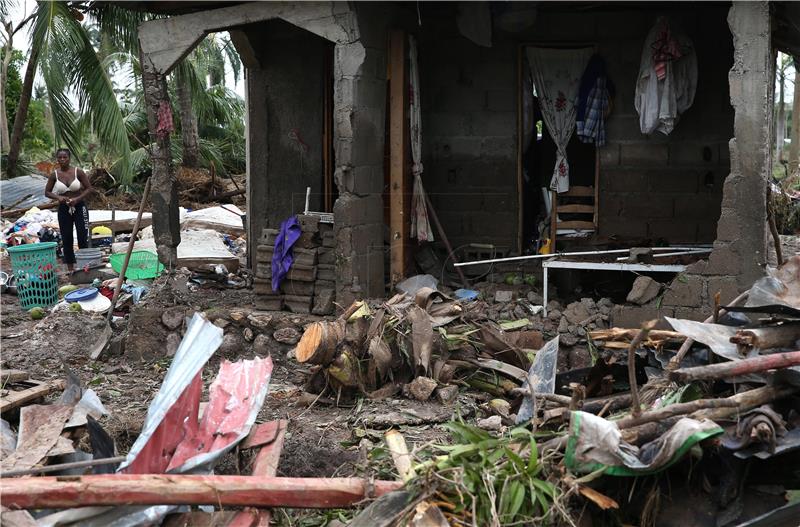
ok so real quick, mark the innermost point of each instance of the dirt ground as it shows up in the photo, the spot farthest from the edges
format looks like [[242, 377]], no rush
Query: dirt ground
[[322, 440]]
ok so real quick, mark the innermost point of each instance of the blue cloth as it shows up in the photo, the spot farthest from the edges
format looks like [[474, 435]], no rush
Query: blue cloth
[[594, 95], [592, 128], [283, 258]]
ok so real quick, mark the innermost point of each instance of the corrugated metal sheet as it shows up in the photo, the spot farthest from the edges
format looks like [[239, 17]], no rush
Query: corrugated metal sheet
[[13, 190]]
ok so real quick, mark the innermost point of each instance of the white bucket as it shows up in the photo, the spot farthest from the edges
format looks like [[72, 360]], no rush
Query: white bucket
[[88, 257]]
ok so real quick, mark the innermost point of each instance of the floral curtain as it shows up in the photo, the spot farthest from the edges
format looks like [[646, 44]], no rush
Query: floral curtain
[[557, 76]]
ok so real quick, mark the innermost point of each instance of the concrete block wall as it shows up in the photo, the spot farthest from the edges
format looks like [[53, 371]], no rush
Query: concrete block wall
[[660, 187], [469, 134], [666, 187]]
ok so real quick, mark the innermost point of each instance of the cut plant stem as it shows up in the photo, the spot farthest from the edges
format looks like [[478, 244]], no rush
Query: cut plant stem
[[646, 327]]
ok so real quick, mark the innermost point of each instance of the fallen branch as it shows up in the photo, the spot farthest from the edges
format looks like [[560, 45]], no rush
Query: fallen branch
[[628, 334], [767, 338], [60, 492], [737, 368], [646, 327], [673, 410]]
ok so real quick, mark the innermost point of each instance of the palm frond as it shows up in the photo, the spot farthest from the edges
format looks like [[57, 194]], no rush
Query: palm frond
[[120, 24]]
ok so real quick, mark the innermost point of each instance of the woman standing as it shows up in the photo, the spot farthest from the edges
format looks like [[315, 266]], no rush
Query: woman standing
[[69, 185]]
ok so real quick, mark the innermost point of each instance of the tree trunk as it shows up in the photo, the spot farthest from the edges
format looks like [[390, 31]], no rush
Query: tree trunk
[[189, 135], [794, 150], [164, 193], [780, 122], [22, 113], [7, 51]]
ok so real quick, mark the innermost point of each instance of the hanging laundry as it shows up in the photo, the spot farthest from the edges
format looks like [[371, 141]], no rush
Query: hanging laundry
[[594, 102], [283, 256], [557, 75], [667, 79]]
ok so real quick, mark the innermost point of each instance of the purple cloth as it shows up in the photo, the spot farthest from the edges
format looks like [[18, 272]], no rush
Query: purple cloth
[[282, 258]]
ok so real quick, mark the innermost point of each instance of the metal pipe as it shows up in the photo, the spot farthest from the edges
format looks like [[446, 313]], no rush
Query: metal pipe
[[553, 255]]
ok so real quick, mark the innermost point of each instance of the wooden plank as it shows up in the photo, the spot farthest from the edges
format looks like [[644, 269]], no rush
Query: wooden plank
[[578, 209], [398, 155], [63, 492], [7, 376], [596, 204], [327, 129], [265, 464], [15, 399], [586, 225], [578, 192], [520, 135]]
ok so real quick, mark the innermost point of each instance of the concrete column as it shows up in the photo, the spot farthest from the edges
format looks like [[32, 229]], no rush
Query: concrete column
[[257, 156], [163, 194], [740, 248]]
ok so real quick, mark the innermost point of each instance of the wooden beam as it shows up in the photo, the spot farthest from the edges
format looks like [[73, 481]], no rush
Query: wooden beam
[[64, 492], [582, 192], [39, 389], [399, 223], [7, 376], [577, 209], [586, 225], [270, 437]]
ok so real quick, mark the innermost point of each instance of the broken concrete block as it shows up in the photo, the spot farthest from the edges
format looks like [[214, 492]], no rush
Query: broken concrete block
[[503, 295], [327, 257], [554, 315], [296, 287], [644, 289], [288, 336], [222, 323], [447, 394], [261, 345], [638, 254], [260, 321], [308, 240], [269, 303], [535, 298], [297, 303], [563, 325], [568, 340], [323, 302], [308, 222], [306, 257], [302, 273], [494, 423], [326, 272], [173, 341], [420, 388], [576, 313], [173, 318]]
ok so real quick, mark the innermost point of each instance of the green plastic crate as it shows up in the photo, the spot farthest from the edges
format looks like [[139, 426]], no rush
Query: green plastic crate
[[143, 264], [35, 269]]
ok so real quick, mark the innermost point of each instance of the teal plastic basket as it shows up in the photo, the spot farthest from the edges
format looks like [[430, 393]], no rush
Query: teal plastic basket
[[142, 265], [35, 269]]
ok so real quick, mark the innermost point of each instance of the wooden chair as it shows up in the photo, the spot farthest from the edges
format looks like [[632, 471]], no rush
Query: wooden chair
[[580, 203]]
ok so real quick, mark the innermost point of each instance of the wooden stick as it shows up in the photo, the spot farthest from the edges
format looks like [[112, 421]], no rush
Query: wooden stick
[[446, 243], [724, 370], [673, 410], [131, 243], [628, 334], [744, 401], [63, 466], [646, 327], [62, 492], [400, 455], [675, 361]]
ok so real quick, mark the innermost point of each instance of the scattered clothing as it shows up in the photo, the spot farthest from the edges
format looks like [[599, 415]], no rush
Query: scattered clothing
[[594, 101], [77, 216], [282, 257], [667, 79]]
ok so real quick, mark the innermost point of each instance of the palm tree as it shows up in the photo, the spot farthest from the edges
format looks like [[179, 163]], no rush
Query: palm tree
[[62, 52], [196, 81]]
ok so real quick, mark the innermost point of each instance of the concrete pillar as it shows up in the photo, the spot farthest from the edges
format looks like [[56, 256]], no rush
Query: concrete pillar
[[740, 248], [164, 193]]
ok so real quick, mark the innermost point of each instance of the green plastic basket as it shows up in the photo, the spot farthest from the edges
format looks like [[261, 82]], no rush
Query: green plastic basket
[[34, 267], [143, 264]]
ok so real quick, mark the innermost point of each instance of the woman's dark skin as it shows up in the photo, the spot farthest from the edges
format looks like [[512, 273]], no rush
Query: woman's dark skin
[[67, 175]]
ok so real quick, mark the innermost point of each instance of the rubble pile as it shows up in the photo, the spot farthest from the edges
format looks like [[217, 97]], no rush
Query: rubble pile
[[310, 285]]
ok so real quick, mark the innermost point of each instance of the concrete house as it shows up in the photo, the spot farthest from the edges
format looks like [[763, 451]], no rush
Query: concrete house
[[328, 103]]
